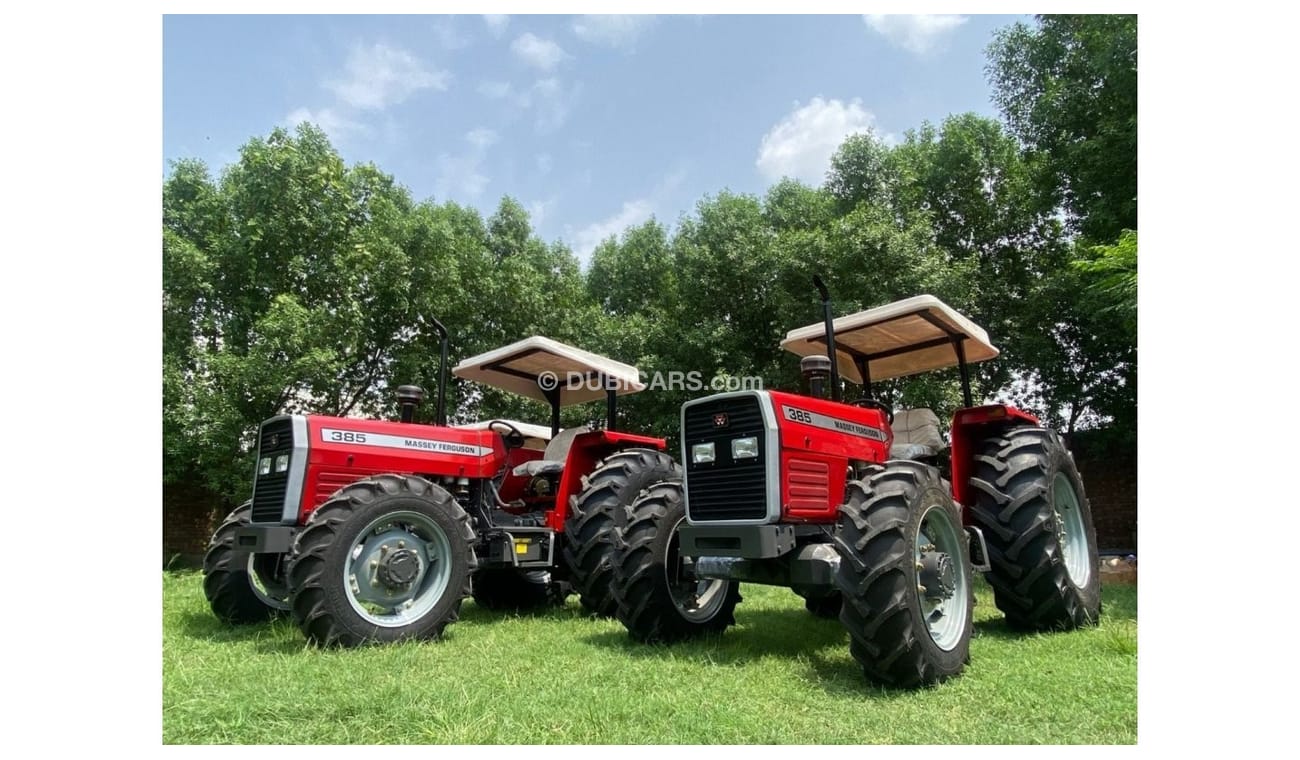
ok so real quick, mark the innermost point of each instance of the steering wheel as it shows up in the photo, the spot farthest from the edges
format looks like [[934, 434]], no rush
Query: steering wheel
[[513, 439], [871, 403]]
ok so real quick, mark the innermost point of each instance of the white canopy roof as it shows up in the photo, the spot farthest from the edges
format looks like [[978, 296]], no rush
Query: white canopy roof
[[535, 436], [902, 338], [518, 367]]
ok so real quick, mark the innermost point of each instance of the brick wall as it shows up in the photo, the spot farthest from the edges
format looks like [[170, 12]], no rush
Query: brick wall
[[1109, 472], [189, 517]]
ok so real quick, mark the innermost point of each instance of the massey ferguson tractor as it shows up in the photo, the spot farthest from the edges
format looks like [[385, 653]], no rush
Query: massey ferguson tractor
[[863, 511], [374, 531]]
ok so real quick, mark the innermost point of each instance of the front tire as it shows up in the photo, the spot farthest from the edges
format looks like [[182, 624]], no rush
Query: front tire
[[594, 515], [241, 588], [655, 602], [905, 575], [1037, 523], [385, 559]]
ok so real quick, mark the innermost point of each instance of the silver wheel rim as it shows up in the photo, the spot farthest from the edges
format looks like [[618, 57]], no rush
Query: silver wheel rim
[[696, 601], [945, 619], [1071, 536], [376, 598], [261, 590]]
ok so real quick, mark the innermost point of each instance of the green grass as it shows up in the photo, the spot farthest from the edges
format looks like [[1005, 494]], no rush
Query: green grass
[[780, 676]]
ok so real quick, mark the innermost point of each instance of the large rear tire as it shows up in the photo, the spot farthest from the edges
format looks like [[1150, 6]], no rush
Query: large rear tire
[[656, 602], [385, 559], [822, 605], [595, 514], [507, 588], [240, 587], [905, 575], [1038, 525]]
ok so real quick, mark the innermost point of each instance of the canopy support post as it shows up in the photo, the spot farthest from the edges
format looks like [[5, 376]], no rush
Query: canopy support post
[[958, 342], [553, 396]]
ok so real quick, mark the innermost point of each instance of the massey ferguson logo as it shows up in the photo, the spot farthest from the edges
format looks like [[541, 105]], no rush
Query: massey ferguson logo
[[719, 420], [275, 440]]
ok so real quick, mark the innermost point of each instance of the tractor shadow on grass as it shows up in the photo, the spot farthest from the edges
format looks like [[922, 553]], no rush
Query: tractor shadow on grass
[[1118, 603], [269, 638]]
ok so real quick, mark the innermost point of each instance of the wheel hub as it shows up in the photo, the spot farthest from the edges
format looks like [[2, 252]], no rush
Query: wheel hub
[[938, 575], [399, 568]]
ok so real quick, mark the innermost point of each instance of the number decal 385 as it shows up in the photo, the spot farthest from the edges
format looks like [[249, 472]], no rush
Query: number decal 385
[[798, 415], [347, 436]]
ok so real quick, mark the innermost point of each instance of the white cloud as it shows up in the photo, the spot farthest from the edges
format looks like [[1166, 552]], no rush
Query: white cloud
[[481, 138], [612, 30], [537, 52], [587, 238], [461, 176], [537, 211], [496, 23], [801, 144], [550, 99], [379, 76], [915, 33], [334, 124]]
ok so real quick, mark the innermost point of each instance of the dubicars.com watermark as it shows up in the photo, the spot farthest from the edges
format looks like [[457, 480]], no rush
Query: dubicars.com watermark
[[692, 381]]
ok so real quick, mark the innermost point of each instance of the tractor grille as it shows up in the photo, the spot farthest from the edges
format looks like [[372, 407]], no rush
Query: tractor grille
[[276, 438], [726, 489]]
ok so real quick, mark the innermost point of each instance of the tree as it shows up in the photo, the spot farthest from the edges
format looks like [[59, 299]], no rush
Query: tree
[[1068, 90]]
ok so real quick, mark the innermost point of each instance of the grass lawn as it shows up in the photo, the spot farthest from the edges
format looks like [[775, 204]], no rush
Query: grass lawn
[[780, 676]]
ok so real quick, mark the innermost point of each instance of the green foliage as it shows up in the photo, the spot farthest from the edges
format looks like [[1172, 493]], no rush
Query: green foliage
[[297, 283], [1068, 90]]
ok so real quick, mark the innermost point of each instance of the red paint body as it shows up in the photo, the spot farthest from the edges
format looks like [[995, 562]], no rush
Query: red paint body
[[969, 427], [815, 461], [333, 464]]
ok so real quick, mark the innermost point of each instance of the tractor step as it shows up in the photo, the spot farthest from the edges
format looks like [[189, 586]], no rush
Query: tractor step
[[979, 551]]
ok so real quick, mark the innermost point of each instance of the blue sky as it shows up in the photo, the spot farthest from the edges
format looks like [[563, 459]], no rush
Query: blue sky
[[593, 123]]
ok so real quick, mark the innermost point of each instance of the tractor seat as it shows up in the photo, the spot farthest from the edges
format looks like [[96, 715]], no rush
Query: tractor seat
[[557, 451], [916, 434]]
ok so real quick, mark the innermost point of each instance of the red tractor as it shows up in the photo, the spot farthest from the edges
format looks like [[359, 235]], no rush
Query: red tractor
[[865, 512], [369, 530]]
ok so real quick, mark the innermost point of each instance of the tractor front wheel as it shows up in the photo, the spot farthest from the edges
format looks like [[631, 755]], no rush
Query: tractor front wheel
[[905, 575], [595, 514], [1038, 526], [242, 587], [385, 559], [659, 601]]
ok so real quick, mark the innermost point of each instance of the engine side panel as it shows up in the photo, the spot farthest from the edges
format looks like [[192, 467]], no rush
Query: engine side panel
[[344, 450], [819, 438]]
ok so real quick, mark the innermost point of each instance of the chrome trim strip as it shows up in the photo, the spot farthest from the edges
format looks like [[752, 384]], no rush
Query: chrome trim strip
[[297, 471]]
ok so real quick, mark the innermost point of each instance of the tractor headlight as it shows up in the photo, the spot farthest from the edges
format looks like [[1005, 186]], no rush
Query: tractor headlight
[[282, 463], [744, 448], [264, 466], [703, 452]]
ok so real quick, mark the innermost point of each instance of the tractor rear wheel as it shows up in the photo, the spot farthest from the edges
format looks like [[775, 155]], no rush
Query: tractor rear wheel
[[385, 559], [242, 587], [905, 575], [1038, 526], [596, 512], [658, 602], [508, 588]]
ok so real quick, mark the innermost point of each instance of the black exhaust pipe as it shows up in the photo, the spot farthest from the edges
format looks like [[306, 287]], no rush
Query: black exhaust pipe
[[830, 337], [440, 416]]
